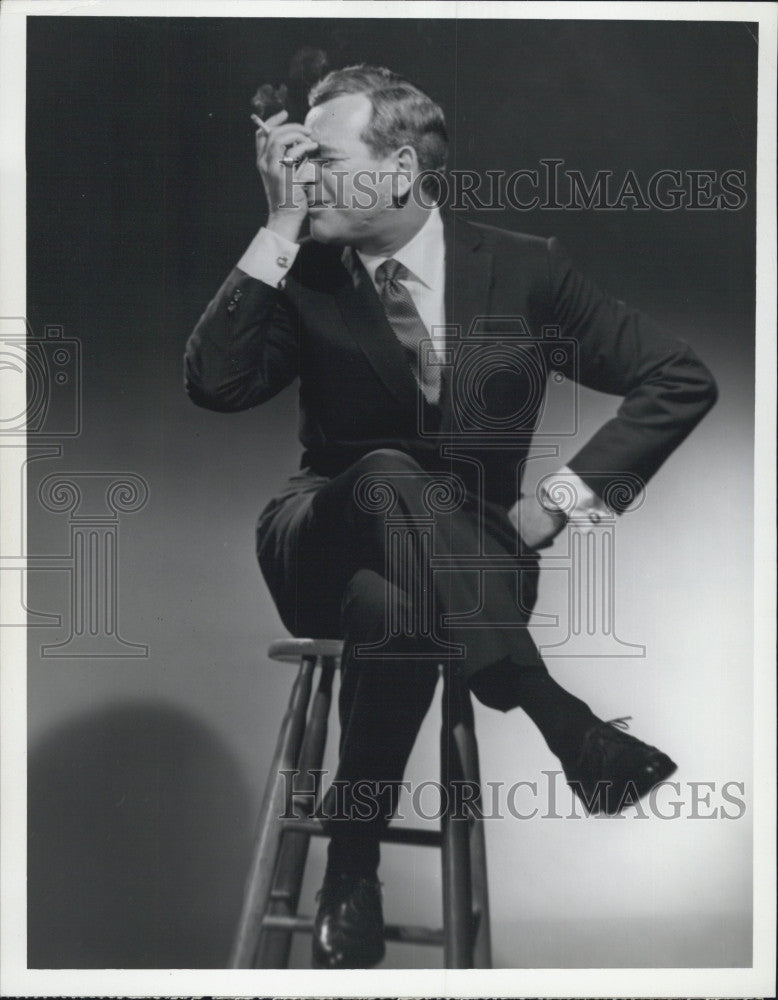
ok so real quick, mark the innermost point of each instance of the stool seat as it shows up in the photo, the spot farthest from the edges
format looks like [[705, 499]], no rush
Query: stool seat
[[293, 650]]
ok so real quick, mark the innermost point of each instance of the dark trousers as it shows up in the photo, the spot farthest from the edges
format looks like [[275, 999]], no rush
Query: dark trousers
[[345, 558]]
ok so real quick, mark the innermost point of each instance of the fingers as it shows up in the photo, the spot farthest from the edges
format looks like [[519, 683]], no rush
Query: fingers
[[274, 131], [296, 152], [273, 120], [288, 133], [282, 146], [285, 146], [277, 118]]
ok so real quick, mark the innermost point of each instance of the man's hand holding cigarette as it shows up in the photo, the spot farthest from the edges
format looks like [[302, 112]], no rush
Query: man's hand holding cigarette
[[281, 147]]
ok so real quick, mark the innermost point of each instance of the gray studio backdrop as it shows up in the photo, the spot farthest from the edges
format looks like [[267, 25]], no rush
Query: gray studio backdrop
[[150, 733]]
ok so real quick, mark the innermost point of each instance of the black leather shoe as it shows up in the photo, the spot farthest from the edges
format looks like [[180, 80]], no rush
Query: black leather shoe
[[348, 932], [614, 769]]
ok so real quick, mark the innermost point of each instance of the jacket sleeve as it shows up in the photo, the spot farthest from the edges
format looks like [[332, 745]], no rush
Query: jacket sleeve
[[666, 389], [244, 348]]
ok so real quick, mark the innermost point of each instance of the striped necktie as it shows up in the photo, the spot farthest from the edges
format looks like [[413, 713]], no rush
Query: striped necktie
[[407, 324]]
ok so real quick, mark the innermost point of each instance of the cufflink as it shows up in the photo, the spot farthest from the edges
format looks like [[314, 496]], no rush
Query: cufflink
[[282, 260]]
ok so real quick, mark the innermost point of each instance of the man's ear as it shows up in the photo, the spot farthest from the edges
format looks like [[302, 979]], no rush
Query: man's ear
[[407, 168]]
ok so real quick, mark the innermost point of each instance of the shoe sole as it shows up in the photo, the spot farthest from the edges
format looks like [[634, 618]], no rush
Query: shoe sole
[[632, 790]]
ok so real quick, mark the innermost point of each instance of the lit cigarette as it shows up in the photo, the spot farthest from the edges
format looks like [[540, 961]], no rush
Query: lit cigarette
[[260, 124]]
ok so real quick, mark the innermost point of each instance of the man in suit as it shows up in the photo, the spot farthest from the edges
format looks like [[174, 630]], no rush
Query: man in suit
[[373, 312]]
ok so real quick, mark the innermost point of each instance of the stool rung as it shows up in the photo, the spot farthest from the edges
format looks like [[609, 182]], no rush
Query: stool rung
[[412, 835], [392, 835], [405, 933], [280, 896]]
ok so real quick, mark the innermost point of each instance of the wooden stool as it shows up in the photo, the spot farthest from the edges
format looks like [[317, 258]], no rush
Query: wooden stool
[[269, 914]]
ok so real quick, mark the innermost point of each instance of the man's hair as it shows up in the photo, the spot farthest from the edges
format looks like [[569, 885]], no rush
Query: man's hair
[[402, 114]]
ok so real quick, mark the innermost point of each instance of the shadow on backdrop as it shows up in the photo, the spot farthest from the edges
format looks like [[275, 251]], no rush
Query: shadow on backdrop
[[139, 836]]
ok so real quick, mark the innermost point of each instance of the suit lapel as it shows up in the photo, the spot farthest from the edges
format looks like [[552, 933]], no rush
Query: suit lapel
[[468, 286], [366, 321], [468, 275]]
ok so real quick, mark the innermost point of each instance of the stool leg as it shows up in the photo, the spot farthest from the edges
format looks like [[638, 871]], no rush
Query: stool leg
[[274, 945], [455, 850], [268, 835], [482, 944]]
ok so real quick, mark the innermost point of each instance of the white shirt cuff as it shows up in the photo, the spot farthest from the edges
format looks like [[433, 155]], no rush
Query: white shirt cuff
[[268, 257], [566, 492]]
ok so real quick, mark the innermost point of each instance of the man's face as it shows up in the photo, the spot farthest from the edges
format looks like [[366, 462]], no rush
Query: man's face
[[349, 204]]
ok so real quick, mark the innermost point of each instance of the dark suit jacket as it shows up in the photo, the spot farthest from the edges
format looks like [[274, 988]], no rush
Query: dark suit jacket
[[533, 312]]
